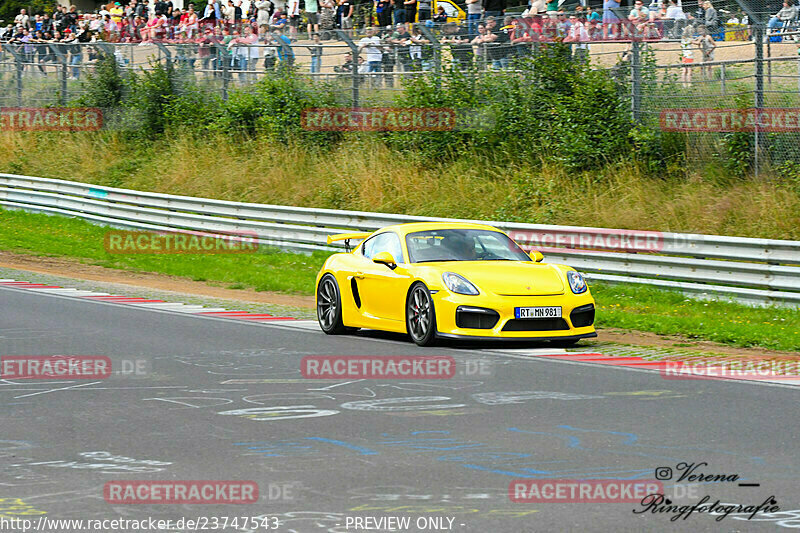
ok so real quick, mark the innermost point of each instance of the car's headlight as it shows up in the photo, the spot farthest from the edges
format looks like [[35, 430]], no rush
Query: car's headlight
[[576, 281], [458, 284]]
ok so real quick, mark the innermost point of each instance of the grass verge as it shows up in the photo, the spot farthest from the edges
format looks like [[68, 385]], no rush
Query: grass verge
[[620, 306], [363, 174]]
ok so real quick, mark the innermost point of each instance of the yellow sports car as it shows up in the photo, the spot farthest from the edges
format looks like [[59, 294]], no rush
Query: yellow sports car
[[451, 281]]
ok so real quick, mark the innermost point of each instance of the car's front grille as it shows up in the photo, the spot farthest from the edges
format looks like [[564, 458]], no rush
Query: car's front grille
[[536, 324], [476, 317], [582, 316]]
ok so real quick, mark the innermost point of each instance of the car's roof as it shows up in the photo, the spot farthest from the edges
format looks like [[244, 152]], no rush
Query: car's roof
[[429, 226]]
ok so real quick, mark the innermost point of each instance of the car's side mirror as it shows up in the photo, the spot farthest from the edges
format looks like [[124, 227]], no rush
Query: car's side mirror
[[384, 258], [536, 255]]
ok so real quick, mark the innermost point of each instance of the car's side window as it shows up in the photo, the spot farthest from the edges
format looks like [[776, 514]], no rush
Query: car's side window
[[384, 242]]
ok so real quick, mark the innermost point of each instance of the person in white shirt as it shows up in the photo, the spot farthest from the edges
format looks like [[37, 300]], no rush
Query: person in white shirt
[[371, 45], [23, 19], [293, 14]]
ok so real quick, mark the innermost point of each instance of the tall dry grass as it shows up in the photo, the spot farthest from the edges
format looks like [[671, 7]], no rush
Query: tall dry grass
[[365, 175]]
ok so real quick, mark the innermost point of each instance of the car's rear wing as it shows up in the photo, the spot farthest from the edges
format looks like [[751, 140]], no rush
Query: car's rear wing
[[347, 236]]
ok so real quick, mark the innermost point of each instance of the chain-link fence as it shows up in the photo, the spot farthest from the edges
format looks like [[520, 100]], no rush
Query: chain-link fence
[[728, 91]]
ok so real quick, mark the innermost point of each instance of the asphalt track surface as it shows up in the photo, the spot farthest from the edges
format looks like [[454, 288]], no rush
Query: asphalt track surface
[[326, 452]]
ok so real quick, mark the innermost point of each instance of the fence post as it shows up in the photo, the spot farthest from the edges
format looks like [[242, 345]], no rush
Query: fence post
[[636, 81], [437, 52], [758, 137], [354, 50], [167, 54], [19, 68], [221, 59], [722, 77]]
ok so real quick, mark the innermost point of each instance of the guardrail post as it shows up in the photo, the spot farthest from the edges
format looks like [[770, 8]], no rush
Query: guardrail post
[[354, 51]]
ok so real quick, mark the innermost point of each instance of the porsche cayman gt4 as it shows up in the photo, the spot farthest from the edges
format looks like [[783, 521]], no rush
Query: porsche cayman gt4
[[451, 280]]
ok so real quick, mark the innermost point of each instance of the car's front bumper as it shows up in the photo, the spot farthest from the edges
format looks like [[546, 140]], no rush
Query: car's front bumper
[[507, 326]]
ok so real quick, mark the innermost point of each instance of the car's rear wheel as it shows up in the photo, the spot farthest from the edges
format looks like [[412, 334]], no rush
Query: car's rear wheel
[[421, 316], [329, 306]]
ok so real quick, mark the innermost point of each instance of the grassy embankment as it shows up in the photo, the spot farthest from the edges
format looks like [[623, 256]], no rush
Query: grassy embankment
[[622, 306], [362, 174]]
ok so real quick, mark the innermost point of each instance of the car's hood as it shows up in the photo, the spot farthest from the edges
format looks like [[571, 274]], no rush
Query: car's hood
[[510, 278]]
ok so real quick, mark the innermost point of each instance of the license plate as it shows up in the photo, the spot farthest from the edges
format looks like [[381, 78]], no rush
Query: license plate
[[537, 312]]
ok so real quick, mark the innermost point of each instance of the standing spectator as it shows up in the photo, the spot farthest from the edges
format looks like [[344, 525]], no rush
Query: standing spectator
[[344, 15], [383, 11], [371, 44], [262, 19], [424, 9], [192, 22], [401, 40], [479, 46], [316, 54], [473, 16], [280, 7], [47, 24], [228, 15], [610, 19], [499, 41], [493, 8], [459, 38], [116, 14], [212, 15], [293, 12], [312, 13], [237, 13], [78, 42], [675, 19], [285, 52], [579, 37], [327, 14], [23, 19], [711, 17], [707, 45], [639, 17], [687, 56], [410, 7], [71, 20], [58, 20]]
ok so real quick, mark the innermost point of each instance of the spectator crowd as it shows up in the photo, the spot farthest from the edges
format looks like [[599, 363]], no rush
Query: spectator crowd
[[241, 34]]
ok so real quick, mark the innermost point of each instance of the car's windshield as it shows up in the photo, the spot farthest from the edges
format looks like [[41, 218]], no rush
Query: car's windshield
[[462, 245]]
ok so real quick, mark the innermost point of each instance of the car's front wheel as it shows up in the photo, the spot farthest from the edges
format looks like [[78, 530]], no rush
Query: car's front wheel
[[329, 306], [421, 316]]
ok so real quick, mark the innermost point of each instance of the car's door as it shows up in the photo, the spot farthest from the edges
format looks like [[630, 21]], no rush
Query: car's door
[[382, 289]]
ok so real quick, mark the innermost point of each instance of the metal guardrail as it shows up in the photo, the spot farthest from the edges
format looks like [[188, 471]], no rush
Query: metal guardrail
[[755, 270]]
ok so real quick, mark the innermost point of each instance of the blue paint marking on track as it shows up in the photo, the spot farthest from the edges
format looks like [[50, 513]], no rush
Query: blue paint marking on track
[[343, 444]]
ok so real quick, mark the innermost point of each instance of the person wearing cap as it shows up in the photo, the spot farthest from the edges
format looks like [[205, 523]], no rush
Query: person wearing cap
[[116, 14]]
